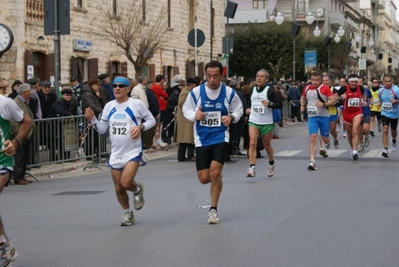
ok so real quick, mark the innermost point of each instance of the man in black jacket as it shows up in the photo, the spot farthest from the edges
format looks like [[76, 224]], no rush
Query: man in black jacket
[[62, 108], [173, 99]]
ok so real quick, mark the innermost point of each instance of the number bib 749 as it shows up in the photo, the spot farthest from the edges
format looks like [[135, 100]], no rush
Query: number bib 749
[[211, 119], [258, 108]]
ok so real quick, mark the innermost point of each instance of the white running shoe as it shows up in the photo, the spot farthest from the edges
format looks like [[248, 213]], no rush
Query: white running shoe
[[393, 146], [338, 128], [138, 198], [213, 217], [8, 254], [128, 219], [344, 134], [161, 143], [323, 152], [385, 153], [270, 171], [251, 172], [312, 165]]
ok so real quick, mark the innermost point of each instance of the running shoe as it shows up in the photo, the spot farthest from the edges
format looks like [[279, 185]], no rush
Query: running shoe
[[344, 134], [270, 171], [312, 165], [161, 143], [251, 172], [323, 152], [338, 128], [213, 217], [372, 133], [385, 153], [8, 254], [328, 145], [138, 198], [354, 156], [360, 147], [393, 146], [379, 127], [336, 144], [366, 142], [128, 219]]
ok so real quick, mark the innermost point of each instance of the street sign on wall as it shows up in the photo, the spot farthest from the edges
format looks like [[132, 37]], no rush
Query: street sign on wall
[[362, 64]]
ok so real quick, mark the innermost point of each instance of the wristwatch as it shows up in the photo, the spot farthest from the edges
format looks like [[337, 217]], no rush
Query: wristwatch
[[271, 104], [19, 141]]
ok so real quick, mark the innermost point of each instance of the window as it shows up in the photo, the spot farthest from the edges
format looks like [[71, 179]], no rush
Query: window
[[116, 67], [79, 3], [82, 69], [191, 15], [169, 14], [143, 10], [114, 8], [39, 65], [260, 4], [302, 7]]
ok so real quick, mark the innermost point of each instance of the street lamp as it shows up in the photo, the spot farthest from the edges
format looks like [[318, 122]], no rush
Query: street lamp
[[316, 31], [337, 39], [279, 19]]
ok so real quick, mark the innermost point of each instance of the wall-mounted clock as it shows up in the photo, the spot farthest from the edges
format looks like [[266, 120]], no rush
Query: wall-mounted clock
[[320, 12], [6, 38]]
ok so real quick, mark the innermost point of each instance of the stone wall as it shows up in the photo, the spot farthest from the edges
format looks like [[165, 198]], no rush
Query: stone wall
[[26, 19]]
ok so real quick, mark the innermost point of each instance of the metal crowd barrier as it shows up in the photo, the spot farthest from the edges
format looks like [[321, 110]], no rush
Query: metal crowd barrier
[[67, 139]]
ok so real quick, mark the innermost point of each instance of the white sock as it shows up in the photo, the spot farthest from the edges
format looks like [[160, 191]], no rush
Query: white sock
[[127, 210], [137, 190]]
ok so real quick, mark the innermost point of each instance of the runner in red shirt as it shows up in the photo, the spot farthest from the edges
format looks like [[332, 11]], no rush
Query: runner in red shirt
[[353, 97]]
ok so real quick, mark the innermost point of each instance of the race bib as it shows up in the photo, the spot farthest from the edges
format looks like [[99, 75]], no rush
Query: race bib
[[120, 128], [312, 111], [258, 108], [211, 119], [387, 106], [375, 101], [354, 102]]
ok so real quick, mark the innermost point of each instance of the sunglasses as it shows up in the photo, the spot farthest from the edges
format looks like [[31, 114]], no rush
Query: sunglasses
[[120, 85], [68, 94]]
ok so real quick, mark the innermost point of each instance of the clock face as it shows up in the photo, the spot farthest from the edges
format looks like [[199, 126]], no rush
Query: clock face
[[319, 12], [6, 38]]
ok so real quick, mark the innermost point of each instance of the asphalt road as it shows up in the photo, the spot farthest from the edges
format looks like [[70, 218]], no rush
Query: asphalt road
[[343, 214]]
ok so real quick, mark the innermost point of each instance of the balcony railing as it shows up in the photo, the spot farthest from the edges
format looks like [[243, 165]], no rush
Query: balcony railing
[[35, 11]]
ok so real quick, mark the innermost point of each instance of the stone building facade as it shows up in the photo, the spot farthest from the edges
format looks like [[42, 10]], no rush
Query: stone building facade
[[86, 52]]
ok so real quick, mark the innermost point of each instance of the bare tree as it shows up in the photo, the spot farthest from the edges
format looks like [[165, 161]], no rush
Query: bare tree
[[139, 40], [275, 68]]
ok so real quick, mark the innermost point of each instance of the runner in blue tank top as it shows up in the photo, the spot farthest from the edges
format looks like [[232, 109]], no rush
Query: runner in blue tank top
[[212, 106]]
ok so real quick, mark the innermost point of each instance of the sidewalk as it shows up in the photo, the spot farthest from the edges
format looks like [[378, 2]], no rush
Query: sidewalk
[[84, 167]]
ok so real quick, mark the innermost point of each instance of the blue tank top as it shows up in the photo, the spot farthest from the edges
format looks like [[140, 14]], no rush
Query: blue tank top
[[211, 130]]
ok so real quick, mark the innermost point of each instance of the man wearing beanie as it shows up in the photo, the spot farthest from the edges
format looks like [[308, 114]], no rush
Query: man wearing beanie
[[124, 117]]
